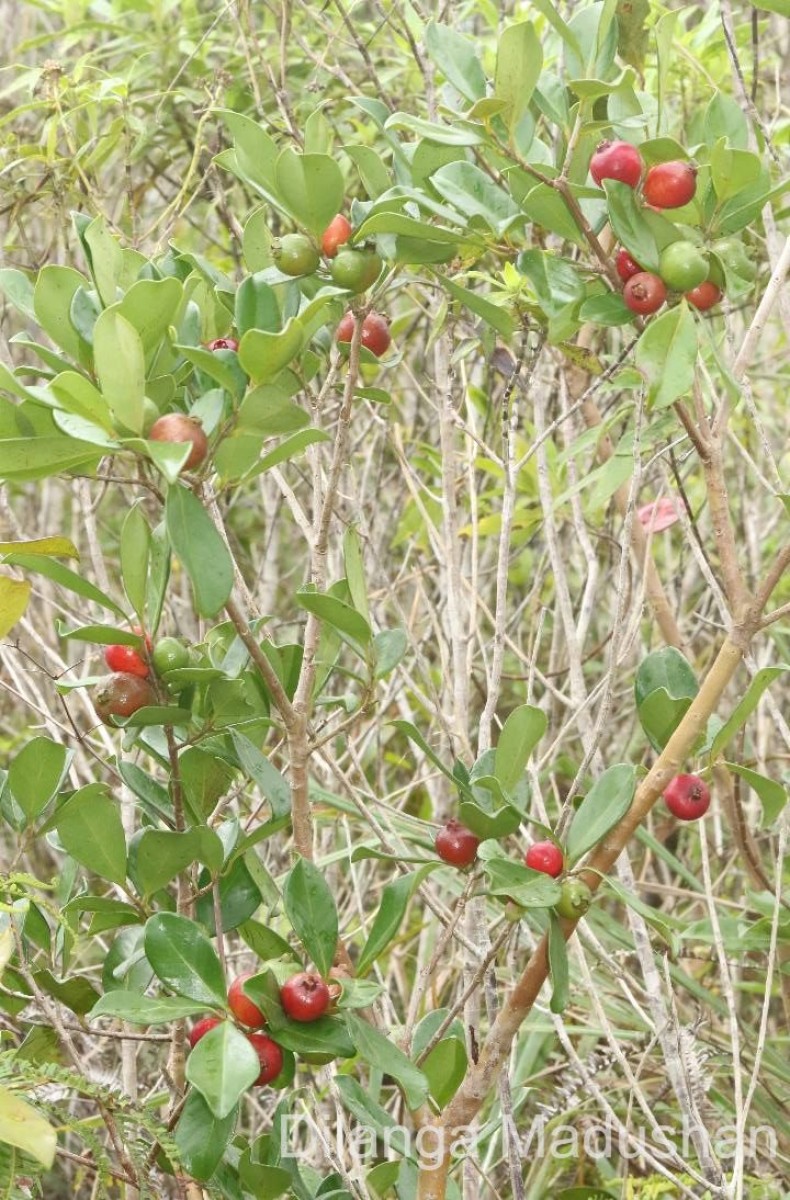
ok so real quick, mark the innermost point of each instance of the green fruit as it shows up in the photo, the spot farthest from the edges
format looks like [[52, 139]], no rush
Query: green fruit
[[169, 654], [295, 254], [732, 255], [355, 270], [575, 899], [683, 266]]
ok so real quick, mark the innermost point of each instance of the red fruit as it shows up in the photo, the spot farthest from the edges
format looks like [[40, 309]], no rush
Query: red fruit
[[704, 296], [241, 1006], [545, 857], [617, 160], [305, 997], [126, 660], [120, 695], [688, 797], [226, 343], [375, 332], [455, 844], [644, 293], [201, 1028], [336, 234], [670, 184], [626, 266], [270, 1056], [178, 427]]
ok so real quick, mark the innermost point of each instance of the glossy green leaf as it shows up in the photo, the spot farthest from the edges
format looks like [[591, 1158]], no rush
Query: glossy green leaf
[[474, 193], [445, 1068], [666, 354], [263, 355], [222, 1066], [629, 224], [271, 784], [163, 853], [499, 319], [202, 551], [762, 680], [89, 826], [392, 907], [256, 306], [134, 549], [607, 801], [558, 966], [39, 457], [518, 65], [120, 365], [335, 612], [64, 578], [456, 57], [36, 773], [664, 687], [520, 734], [311, 186], [52, 296], [310, 907], [773, 795], [389, 648], [151, 306], [513, 881], [201, 1137], [383, 1054], [145, 1010], [184, 959]]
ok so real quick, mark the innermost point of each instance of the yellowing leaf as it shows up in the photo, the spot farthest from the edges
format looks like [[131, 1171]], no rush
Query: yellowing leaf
[[23, 1127], [14, 594]]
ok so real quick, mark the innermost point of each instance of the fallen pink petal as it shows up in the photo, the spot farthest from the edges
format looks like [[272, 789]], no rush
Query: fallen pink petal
[[658, 515]]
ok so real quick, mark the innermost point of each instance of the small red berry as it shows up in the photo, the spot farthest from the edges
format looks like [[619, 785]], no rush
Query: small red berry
[[127, 660], [704, 296], [375, 332], [178, 427], [241, 1006], [305, 997], [201, 1028], [270, 1056], [644, 293], [545, 857], [336, 234], [455, 844], [617, 160], [626, 266], [121, 695], [670, 184], [688, 797], [223, 343]]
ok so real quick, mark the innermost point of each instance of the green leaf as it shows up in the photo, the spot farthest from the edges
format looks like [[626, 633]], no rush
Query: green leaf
[[414, 735], [389, 647], [607, 801], [558, 966], [773, 795], [498, 318], [456, 58], [556, 282], [271, 784], [666, 354], [529, 889], [629, 225], [36, 773], [395, 899], [545, 207], [355, 572], [144, 1010], [522, 731], [134, 550], [14, 597], [518, 65], [383, 1054], [151, 306], [163, 853], [474, 193], [39, 457], [202, 551], [335, 612], [201, 1137], [184, 959], [445, 1068], [256, 306], [405, 226], [762, 680], [311, 186], [52, 296], [222, 1066], [89, 826], [18, 289], [263, 355], [310, 907], [606, 309], [55, 546], [106, 259], [64, 578], [23, 1127], [120, 366], [664, 687]]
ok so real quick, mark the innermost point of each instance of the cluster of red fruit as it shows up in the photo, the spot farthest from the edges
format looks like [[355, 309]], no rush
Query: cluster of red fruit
[[686, 796], [683, 266], [129, 686], [304, 997]]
